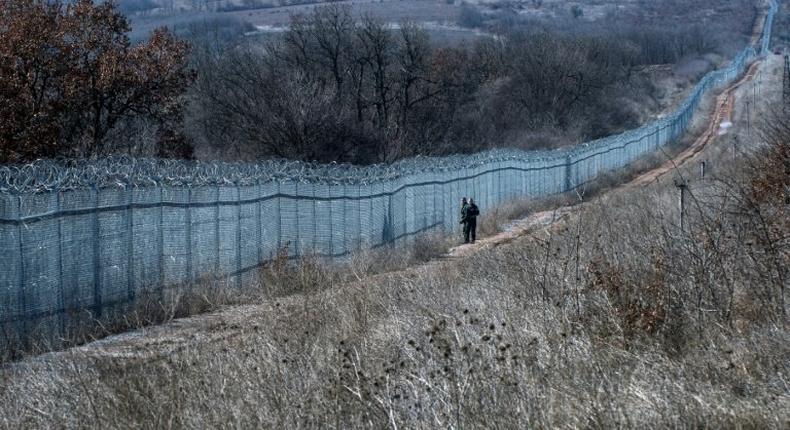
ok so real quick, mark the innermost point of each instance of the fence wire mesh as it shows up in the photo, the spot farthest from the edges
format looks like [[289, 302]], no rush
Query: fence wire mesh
[[92, 236]]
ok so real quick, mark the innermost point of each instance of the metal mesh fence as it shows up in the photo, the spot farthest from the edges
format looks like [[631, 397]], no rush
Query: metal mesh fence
[[93, 236]]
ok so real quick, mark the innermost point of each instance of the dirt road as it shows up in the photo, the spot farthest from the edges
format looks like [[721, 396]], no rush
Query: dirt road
[[719, 121]]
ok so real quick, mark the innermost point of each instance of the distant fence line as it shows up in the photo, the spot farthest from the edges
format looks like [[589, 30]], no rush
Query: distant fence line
[[92, 237]]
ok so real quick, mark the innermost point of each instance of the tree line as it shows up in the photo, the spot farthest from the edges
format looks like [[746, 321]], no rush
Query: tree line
[[334, 87]]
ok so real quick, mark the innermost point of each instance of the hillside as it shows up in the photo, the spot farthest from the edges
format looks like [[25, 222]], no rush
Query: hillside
[[601, 314], [260, 228]]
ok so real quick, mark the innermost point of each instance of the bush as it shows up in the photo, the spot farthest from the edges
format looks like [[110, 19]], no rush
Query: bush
[[470, 17], [56, 97], [577, 11]]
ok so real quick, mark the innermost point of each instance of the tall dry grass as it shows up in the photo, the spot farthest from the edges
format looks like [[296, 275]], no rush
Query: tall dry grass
[[615, 318]]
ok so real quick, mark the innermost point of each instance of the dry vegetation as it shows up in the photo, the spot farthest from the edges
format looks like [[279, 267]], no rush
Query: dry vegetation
[[613, 318], [781, 32], [333, 88]]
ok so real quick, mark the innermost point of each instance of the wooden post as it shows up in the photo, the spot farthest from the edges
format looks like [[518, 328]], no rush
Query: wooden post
[[682, 204], [748, 118], [734, 146], [759, 83]]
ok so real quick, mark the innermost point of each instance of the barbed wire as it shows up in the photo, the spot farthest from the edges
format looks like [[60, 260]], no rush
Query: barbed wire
[[125, 171]]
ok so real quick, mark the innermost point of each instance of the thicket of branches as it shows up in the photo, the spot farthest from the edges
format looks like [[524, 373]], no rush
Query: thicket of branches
[[334, 87], [677, 25]]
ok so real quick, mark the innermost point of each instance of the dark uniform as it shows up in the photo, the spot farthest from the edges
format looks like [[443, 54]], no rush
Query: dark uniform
[[469, 213]]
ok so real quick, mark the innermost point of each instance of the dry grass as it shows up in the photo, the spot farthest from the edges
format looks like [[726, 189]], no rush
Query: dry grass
[[615, 318], [278, 278]]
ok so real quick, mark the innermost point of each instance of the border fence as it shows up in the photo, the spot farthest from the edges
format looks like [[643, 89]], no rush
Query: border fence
[[93, 236]]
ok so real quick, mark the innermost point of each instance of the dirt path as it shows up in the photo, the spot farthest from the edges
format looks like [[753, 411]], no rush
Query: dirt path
[[514, 230], [718, 124]]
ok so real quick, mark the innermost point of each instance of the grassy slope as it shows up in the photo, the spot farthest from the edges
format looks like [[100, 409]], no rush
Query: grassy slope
[[613, 318]]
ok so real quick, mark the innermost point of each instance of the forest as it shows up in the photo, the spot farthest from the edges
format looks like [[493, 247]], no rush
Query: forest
[[332, 87]]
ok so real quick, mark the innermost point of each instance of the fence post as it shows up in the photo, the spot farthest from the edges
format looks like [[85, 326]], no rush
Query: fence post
[[445, 197], [434, 209], [370, 217], [160, 244], [476, 178], [258, 222], [22, 280], [406, 213], [297, 245], [734, 146], [450, 227], [279, 219], [238, 236], [345, 230], [61, 292], [682, 204], [130, 293], [217, 235], [188, 236], [498, 197], [97, 296], [359, 216], [315, 221], [331, 203], [568, 173]]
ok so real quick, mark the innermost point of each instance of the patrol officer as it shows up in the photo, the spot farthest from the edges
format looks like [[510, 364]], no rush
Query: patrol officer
[[469, 213]]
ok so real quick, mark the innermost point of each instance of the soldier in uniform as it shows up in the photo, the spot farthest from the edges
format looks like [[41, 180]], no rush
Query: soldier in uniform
[[471, 221], [464, 208], [469, 213]]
